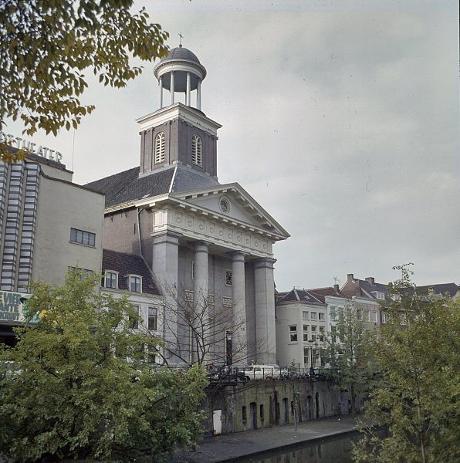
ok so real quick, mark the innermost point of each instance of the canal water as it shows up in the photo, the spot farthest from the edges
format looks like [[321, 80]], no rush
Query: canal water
[[330, 450]]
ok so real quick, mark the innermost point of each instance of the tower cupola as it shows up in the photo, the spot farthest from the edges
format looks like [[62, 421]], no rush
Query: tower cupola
[[180, 72]]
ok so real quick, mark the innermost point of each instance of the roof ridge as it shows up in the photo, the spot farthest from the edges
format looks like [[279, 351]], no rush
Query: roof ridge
[[113, 175]]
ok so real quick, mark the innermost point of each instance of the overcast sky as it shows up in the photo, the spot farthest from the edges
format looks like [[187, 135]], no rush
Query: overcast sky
[[340, 117]]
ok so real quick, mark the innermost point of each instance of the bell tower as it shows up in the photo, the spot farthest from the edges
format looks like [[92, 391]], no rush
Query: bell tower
[[179, 133]]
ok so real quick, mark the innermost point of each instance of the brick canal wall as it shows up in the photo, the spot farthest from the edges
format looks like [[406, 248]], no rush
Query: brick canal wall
[[267, 403]]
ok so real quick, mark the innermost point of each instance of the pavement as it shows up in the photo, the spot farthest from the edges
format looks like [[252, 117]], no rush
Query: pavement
[[229, 447]]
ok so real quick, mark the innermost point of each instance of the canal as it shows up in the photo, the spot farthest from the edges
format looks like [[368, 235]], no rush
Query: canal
[[328, 450]]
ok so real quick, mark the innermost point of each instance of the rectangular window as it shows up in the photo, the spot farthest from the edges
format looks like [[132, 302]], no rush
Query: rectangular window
[[228, 278], [135, 284], [82, 237], [313, 315], [193, 270], [305, 332], [111, 280], [153, 319], [134, 320], [306, 356], [373, 316], [305, 316], [293, 333], [321, 317]]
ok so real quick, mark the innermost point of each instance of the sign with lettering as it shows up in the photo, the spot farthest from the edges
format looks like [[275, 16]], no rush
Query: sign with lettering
[[11, 306], [21, 143]]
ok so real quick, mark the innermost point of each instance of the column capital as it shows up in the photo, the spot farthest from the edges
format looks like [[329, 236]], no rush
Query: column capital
[[201, 246], [264, 262], [237, 256], [166, 237]]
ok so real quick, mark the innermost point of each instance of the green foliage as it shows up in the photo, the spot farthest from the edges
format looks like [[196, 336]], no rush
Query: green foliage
[[47, 46], [79, 384], [417, 399], [347, 354]]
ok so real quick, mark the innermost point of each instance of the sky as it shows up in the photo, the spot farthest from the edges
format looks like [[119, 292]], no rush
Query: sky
[[341, 118]]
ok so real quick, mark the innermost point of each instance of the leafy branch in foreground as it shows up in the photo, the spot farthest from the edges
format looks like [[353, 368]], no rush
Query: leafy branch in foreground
[[79, 384], [48, 45]]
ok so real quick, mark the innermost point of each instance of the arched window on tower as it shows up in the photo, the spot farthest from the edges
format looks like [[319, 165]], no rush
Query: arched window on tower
[[159, 148], [197, 151]]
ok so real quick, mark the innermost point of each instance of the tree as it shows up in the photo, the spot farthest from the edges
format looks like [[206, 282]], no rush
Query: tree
[[417, 399], [80, 385], [347, 354], [48, 45], [197, 331]]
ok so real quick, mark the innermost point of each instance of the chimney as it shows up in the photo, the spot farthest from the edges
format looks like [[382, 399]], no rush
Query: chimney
[[370, 280], [336, 288], [350, 277]]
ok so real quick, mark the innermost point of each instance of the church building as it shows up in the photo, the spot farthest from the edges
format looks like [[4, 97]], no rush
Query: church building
[[208, 245]]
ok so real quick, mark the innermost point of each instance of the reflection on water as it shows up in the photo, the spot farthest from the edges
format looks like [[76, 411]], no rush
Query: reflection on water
[[333, 450]]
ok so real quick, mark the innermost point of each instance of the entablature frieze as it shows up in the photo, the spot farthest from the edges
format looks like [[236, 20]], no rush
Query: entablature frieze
[[205, 228]]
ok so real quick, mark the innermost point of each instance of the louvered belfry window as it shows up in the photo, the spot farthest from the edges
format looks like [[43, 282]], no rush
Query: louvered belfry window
[[159, 149], [197, 151]]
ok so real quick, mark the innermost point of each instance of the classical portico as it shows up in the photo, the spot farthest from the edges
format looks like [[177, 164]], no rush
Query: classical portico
[[209, 245]]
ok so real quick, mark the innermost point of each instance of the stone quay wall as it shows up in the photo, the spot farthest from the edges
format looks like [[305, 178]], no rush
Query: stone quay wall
[[266, 403]]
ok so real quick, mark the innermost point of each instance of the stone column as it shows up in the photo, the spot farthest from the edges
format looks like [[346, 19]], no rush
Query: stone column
[[239, 337], [171, 87], [201, 304], [264, 288], [161, 92], [187, 93], [165, 259], [198, 95]]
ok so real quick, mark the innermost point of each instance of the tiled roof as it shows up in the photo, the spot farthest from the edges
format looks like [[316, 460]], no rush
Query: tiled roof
[[363, 288], [128, 186], [321, 293], [128, 264], [300, 295], [444, 289]]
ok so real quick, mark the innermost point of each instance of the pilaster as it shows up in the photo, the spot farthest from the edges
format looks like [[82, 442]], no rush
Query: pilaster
[[239, 338], [265, 311]]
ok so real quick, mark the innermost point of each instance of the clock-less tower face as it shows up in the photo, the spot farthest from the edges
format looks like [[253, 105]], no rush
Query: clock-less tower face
[[179, 140]]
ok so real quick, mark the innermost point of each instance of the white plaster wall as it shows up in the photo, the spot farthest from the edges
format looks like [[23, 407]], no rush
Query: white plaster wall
[[60, 207], [56, 173]]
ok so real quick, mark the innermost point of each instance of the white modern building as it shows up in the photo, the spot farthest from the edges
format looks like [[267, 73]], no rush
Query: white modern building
[[44, 230], [208, 245]]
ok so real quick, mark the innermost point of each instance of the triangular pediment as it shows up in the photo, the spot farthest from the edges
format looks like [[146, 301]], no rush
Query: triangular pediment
[[232, 202]]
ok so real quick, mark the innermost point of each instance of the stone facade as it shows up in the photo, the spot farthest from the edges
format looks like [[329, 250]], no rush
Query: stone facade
[[263, 404]]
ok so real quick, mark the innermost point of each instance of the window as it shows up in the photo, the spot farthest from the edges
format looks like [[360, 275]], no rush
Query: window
[[82, 272], [244, 415], [134, 319], [135, 283], [305, 332], [305, 316], [306, 356], [321, 333], [373, 316], [111, 279], [197, 157], [153, 319], [193, 270], [82, 237], [321, 317], [228, 278], [159, 148], [313, 328], [313, 315], [293, 333]]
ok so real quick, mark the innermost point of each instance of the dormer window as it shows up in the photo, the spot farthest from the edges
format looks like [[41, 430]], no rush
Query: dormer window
[[135, 283], [111, 279], [159, 148], [197, 151]]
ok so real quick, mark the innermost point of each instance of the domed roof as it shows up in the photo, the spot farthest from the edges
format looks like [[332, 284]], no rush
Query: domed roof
[[181, 53]]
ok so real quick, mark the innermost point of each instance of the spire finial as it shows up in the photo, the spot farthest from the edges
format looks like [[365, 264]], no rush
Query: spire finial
[[180, 39]]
